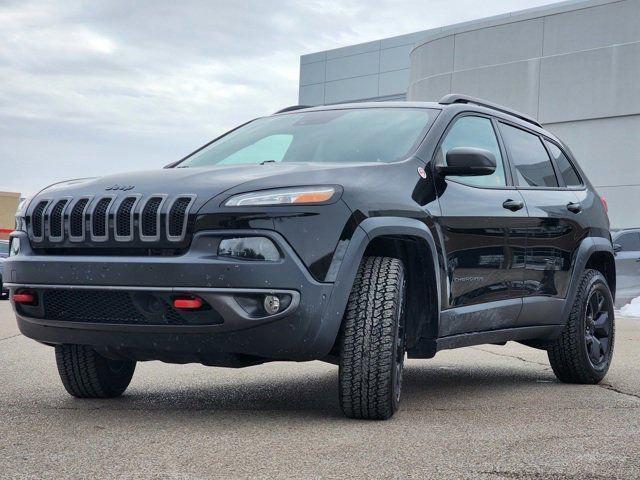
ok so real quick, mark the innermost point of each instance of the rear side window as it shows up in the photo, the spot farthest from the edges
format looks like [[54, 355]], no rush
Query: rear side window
[[529, 157], [476, 132], [629, 242], [571, 177]]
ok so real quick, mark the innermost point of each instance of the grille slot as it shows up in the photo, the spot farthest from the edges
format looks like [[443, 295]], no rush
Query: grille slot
[[150, 218], [177, 218], [37, 222], [56, 219], [100, 218], [76, 219], [124, 218]]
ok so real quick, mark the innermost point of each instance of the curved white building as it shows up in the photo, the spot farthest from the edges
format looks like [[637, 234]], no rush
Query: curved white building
[[575, 66]]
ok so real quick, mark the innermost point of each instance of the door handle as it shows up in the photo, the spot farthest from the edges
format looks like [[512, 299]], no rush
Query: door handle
[[513, 205], [574, 207]]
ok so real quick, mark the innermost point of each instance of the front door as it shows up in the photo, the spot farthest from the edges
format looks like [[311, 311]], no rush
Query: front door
[[481, 218]]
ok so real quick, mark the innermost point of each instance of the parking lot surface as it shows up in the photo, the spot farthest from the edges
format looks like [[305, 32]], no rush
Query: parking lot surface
[[481, 412]]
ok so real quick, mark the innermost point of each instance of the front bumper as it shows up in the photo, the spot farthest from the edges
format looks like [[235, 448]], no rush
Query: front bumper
[[304, 330]]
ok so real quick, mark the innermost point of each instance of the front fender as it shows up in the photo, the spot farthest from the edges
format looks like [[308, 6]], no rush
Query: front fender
[[367, 231]]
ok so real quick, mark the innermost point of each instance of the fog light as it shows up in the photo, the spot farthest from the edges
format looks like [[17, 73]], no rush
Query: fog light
[[14, 249], [271, 304], [249, 248]]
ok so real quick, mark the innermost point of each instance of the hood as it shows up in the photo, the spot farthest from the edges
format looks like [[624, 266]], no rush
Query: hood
[[204, 182]]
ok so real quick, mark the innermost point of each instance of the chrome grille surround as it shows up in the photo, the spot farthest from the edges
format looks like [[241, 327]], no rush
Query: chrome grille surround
[[110, 218], [99, 221], [78, 216], [156, 218], [120, 212], [178, 203], [55, 218], [38, 220]]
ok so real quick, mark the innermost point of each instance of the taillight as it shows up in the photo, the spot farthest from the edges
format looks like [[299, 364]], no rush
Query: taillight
[[604, 204]]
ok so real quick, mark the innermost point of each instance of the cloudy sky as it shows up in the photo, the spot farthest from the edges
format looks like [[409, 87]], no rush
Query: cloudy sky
[[95, 87]]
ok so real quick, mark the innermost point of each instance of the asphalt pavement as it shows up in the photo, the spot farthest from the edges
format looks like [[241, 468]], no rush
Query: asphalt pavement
[[484, 412]]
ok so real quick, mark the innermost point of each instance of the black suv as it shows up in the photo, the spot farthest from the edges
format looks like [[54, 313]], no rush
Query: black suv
[[356, 234]]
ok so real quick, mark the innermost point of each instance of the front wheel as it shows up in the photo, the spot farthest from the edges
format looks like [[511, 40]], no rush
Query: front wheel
[[86, 374], [372, 346], [584, 351]]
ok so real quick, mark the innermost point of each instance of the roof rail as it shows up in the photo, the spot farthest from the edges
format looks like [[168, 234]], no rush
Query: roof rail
[[292, 108], [457, 98]]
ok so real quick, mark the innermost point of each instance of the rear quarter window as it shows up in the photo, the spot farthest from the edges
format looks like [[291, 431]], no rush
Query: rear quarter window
[[567, 170]]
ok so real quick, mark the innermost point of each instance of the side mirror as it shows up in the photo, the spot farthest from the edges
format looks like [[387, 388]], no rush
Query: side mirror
[[617, 248], [468, 162]]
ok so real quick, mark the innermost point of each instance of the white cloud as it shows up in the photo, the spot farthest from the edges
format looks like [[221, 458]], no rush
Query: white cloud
[[93, 87]]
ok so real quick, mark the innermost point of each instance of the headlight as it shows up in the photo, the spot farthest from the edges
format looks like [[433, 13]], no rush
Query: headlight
[[21, 213], [14, 247], [283, 196]]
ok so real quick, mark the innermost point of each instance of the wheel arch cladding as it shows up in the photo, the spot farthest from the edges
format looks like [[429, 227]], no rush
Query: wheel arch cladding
[[409, 240], [595, 253], [604, 262]]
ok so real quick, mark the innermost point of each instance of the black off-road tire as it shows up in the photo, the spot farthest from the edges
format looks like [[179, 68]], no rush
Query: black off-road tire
[[86, 374], [569, 355], [372, 341]]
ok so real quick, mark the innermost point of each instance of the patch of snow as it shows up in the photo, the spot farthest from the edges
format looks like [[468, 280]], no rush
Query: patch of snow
[[631, 309]]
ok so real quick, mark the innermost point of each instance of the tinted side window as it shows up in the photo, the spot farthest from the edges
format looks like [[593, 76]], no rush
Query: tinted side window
[[529, 157], [567, 171], [629, 242], [475, 132]]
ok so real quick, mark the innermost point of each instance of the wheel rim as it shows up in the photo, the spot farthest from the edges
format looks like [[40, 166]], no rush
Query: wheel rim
[[598, 328]]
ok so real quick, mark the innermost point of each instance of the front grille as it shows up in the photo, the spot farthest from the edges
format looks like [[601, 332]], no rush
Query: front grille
[[176, 216], [37, 220], [115, 307], [99, 220], [76, 218], [56, 219], [124, 219], [152, 222]]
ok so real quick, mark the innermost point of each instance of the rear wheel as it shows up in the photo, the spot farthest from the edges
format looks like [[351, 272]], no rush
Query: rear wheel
[[86, 374], [372, 348], [584, 351]]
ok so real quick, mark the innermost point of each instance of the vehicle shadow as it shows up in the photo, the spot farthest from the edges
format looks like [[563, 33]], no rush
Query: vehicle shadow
[[425, 386]]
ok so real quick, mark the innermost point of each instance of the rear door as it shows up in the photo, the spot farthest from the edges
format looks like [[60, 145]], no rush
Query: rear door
[[554, 228], [479, 225]]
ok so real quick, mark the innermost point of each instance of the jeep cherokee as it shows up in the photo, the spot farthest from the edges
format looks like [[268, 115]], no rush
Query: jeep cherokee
[[357, 234]]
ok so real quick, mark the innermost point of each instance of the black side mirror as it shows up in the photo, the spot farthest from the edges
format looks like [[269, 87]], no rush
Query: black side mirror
[[617, 248], [468, 162]]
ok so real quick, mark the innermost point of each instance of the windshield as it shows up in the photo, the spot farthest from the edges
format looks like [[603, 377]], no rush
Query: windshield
[[349, 135], [4, 249]]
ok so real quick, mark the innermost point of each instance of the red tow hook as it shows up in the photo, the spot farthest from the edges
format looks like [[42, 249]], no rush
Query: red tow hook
[[187, 303], [24, 298]]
